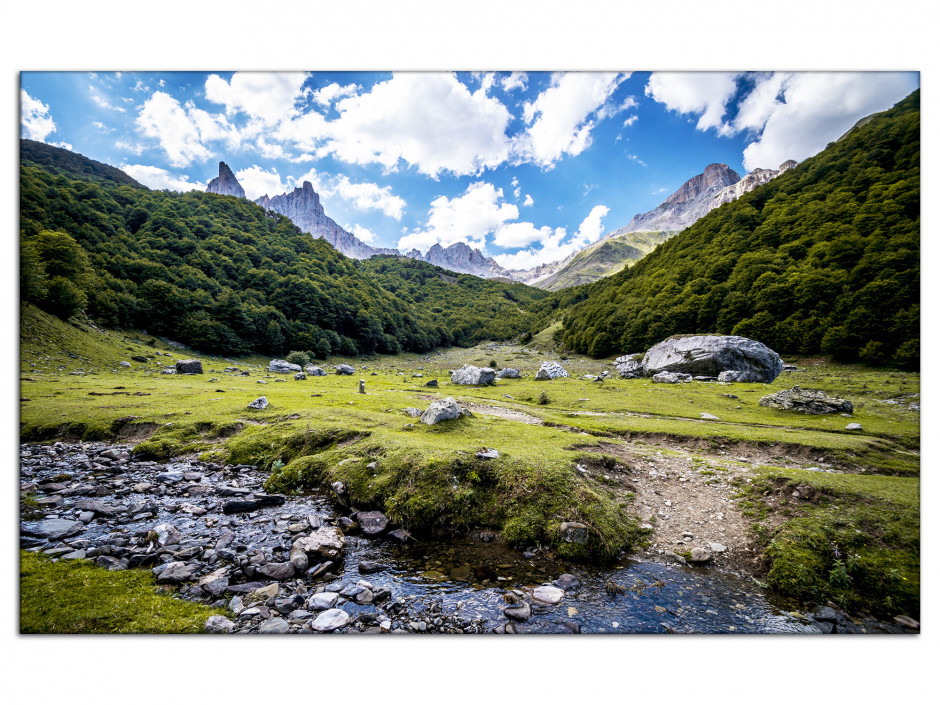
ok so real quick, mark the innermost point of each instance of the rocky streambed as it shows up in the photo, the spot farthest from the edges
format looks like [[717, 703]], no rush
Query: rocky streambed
[[309, 564]]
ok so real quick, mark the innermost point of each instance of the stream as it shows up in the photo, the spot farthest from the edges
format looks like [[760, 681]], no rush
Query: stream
[[94, 501]]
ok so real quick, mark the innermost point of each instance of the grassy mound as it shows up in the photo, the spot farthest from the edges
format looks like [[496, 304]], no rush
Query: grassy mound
[[78, 597]]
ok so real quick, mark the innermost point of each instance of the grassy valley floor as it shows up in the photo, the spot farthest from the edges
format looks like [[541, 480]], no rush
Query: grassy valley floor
[[813, 510]]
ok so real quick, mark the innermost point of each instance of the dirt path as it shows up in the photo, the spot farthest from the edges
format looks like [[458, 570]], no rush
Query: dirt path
[[504, 413]]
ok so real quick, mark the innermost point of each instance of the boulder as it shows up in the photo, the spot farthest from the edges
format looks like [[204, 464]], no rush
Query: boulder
[[807, 401], [250, 505], [277, 571], [188, 367], [314, 371], [710, 355], [699, 555], [300, 376], [630, 366], [138, 358], [508, 373], [441, 410], [550, 370], [326, 542], [124, 363], [215, 582], [175, 572], [345, 369], [733, 376], [431, 383], [567, 581], [468, 374], [854, 427], [283, 367], [261, 403]]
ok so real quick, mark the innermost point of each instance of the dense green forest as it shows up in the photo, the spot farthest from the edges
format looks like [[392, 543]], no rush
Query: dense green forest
[[222, 275], [468, 307], [824, 258], [62, 161]]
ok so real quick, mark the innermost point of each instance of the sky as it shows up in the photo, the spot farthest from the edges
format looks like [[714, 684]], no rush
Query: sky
[[528, 167]]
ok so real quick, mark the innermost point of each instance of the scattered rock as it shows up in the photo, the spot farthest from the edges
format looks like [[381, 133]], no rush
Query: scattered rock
[[519, 612], [330, 620], [699, 555], [314, 371], [550, 370], [283, 367], [345, 370], [708, 417], [567, 581], [325, 542], [630, 366], [431, 383], [261, 403], [574, 532], [372, 523], [53, 529], [547, 595], [468, 374], [250, 505], [807, 401], [167, 534], [670, 377], [218, 624], [906, 621], [300, 376], [441, 410], [274, 625], [508, 373], [488, 453], [188, 367], [854, 427]]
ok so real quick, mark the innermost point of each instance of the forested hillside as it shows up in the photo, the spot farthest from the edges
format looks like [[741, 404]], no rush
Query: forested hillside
[[215, 272], [824, 258], [62, 161], [468, 307]]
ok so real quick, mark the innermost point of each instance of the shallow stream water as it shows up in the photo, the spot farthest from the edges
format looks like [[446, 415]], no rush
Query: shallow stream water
[[467, 575]]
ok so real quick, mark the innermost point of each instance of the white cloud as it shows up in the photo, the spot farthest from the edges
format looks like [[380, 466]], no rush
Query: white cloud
[[431, 121], [468, 218], [630, 120], [362, 233], [555, 244], [634, 158], [99, 99], [181, 131], [132, 147], [369, 196], [258, 182], [701, 93], [35, 121], [519, 234], [528, 200], [562, 116], [333, 92], [515, 80], [813, 109], [268, 97], [157, 178]]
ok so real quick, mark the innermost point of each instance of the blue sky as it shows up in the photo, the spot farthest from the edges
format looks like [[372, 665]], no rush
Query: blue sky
[[529, 167]]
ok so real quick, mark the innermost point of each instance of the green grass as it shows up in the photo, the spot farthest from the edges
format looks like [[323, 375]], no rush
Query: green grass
[[854, 541], [428, 478], [78, 597]]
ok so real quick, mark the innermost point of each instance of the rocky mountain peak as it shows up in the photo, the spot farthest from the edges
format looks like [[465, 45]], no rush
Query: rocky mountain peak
[[713, 179], [226, 183]]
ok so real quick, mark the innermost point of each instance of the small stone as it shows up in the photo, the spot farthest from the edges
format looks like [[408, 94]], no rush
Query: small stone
[[274, 625], [854, 427], [520, 612], [218, 624], [567, 581], [547, 595], [322, 601], [699, 555], [330, 620], [260, 404]]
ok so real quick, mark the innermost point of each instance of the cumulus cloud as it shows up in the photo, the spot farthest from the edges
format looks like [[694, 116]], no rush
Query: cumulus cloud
[[556, 244], [706, 94], [630, 120], [515, 80], [561, 118], [259, 182], [182, 131], [519, 234], [528, 200], [468, 218], [797, 115], [329, 94], [430, 121], [362, 233], [35, 121], [363, 195], [157, 178], [268, 97]]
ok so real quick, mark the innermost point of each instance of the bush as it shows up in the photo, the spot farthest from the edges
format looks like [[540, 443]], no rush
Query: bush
[[297, 357], [543, 398]]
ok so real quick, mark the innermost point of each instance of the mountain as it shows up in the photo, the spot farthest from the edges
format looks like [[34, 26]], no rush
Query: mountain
[[303, 207], [226, 184], [824, 258], [602, 259], [63, 161], [689, 203], [751, 181], [463, 259]]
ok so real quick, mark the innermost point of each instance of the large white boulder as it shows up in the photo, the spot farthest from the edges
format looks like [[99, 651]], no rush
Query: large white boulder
[[710, 355], [468, 374]]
